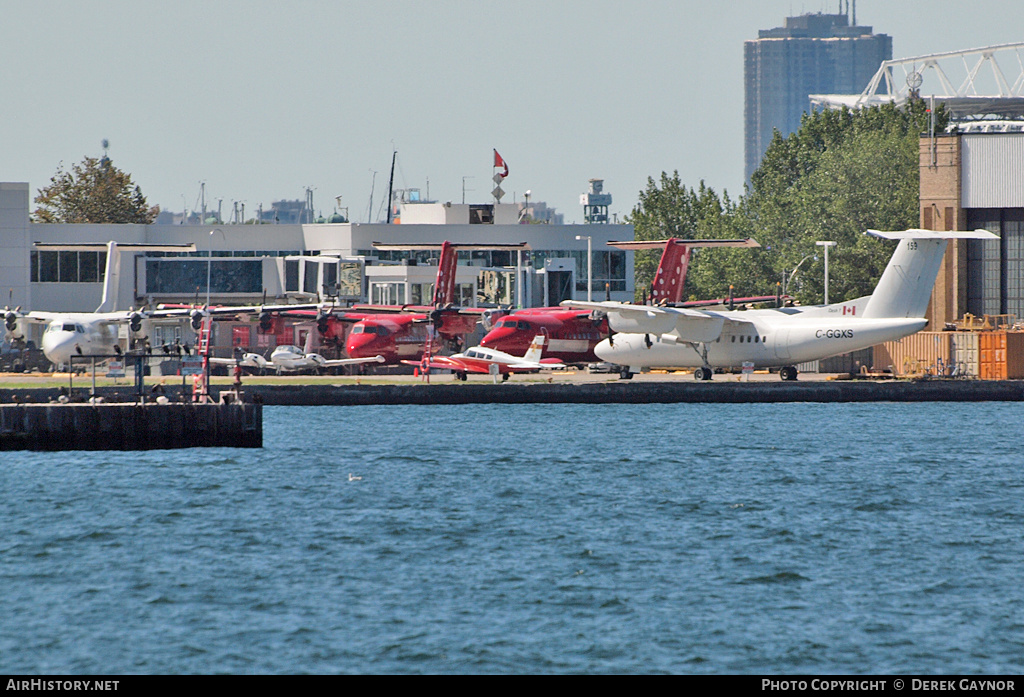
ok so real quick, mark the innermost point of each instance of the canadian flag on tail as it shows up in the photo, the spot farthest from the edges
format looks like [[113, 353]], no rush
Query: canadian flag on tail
[[498, 162]]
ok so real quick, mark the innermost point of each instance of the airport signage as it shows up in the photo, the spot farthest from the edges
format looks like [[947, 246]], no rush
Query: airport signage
[[191, 365]]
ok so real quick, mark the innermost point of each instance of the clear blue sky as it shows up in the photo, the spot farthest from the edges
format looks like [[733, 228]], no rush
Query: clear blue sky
[[261, 99]]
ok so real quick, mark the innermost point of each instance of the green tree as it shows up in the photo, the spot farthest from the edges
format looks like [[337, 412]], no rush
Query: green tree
[[94, 191], [840, 174], [665, 209]]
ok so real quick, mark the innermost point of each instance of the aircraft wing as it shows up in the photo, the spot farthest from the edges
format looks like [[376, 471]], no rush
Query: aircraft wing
[[446, 363], [331, 362], [691, 325], [537, 366]]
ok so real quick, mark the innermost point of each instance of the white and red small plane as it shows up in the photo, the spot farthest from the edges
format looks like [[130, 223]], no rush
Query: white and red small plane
[[481, 360]]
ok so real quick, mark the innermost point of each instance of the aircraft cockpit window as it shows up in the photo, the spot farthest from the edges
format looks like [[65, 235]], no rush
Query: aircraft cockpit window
[[523, 325], [358, 329], [68, 327], [80, 329]]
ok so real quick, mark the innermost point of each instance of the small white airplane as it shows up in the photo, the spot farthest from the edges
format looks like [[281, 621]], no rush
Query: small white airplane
[[480, 360], [651, 336], [291, 359]]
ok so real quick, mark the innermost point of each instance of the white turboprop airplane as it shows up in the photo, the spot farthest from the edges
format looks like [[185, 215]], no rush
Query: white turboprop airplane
[[650, 336], [70, 334]]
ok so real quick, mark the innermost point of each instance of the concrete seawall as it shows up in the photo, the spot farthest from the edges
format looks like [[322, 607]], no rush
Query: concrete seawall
[[129, 426], [610, 392], [640, 393]]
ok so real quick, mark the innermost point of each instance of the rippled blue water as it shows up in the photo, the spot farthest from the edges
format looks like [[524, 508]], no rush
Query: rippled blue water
[[791, 538]]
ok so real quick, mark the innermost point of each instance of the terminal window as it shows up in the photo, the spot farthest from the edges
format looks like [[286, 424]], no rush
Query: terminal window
[[188, 276], [67, 267]]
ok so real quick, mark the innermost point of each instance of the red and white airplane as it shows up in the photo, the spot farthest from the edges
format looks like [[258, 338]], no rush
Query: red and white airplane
[[572, 334], [487, 361]]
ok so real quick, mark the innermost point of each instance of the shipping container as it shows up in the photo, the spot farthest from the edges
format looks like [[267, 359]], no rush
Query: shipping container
[[923, 353], [1001, 355], [965, 354], [847, 362]]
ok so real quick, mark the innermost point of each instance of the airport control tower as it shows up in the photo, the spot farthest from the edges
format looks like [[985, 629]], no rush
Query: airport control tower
[[595, 203]]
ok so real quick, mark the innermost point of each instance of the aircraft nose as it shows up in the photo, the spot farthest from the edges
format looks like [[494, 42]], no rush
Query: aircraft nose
[[606, 351], [361, 346], [58, 346], [498, 338]]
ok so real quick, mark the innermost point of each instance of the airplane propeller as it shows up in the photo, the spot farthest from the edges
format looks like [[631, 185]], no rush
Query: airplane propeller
[[322, 322], [266, 322]]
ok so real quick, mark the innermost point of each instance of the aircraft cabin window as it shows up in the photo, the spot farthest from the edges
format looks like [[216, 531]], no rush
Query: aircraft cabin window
[[734, 340], [757, 339]]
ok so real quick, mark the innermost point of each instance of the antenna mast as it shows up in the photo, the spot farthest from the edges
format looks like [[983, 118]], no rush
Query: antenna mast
[[391, 183]]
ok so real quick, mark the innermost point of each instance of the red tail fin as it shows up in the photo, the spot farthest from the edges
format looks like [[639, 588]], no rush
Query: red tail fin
[[671, 273], [444, 286]]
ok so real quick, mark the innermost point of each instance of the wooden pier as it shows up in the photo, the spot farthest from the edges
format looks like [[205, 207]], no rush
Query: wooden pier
[[130, 426]]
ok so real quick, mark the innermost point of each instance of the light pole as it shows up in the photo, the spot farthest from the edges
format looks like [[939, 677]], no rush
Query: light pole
[[789, 281], [826, 245], [590, 264], [209, 262]]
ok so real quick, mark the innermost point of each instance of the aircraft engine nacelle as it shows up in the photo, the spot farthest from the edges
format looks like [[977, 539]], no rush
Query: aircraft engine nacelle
[[639, 322], [135, 322], [196, 318], [15, 332]]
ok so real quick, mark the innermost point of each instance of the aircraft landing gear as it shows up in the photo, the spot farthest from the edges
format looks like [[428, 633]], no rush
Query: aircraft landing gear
[[504, 377], [703, 373], [460, 376], [787, 373], [625, 374]]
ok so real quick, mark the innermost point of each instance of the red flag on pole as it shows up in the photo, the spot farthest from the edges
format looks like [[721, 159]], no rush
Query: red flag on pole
[[498, 162]]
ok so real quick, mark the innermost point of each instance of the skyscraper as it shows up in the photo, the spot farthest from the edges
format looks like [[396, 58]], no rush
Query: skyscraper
[[811, 54]]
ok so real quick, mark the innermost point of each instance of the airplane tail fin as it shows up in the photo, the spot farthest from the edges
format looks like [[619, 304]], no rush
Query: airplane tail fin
[[444, 285], [111, 279], [906, 285], [533, 354], [671, 273], [667, 286]]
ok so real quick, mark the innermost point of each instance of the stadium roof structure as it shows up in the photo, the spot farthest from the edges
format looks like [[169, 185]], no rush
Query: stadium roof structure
[[983, 94]]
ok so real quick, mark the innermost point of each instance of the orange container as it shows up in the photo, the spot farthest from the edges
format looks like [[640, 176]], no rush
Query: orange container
[[1001, 355]]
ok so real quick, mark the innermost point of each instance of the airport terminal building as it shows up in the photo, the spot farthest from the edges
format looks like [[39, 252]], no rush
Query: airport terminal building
[[279, 263]]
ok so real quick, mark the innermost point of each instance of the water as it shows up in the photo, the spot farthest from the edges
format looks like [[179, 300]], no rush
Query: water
[[790, 538]]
